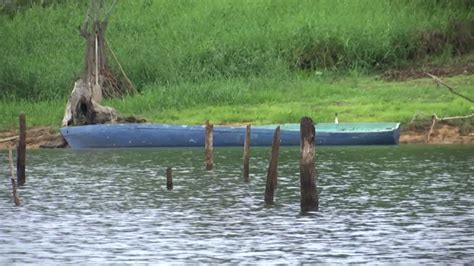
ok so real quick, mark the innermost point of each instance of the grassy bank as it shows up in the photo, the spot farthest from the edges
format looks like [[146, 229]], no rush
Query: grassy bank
[[165, 42], [233, 61], [260, 101]]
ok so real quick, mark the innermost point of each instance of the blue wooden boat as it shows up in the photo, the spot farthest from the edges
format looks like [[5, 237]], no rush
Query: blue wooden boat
[[162, 135]]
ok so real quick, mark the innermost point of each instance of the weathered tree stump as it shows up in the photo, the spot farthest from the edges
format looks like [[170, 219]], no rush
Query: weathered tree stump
[[97, 80], [272, 168], [21, 152], [309, 196], [81, 109], [247, 154]]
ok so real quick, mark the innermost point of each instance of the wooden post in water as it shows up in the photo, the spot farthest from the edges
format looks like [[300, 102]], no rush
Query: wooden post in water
[[247, 154], [209, 146], [309, 194], [21, 152], [169, 179], [12, 177], [272, 168]]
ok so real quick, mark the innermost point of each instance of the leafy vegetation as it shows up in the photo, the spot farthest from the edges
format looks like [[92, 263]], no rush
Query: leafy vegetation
[[264, 61], [259, 101]]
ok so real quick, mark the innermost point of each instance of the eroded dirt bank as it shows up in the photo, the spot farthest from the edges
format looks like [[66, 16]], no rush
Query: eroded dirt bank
[[443, 133], [35, 137]]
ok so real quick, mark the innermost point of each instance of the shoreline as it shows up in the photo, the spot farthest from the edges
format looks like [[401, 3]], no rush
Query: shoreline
[[443, 133]]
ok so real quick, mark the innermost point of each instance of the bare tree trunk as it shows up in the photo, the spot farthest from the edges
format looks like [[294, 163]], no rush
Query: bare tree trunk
[[95, 56], [95, 61]]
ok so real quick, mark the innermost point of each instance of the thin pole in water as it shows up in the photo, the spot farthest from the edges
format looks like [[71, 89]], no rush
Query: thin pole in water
[[209, 146], [247, 154], [21, 152], [272, 168], [16, 199], [169, 178]]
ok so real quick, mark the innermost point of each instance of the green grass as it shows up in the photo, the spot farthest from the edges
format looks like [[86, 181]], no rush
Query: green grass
[[261, 101], [170, 43]]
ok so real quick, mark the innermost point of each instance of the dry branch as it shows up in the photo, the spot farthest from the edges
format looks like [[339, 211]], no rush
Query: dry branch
[[120, 66], [439, 81], [109, 12], [419, 116], [433, 123], [9, 139], [452, 117]]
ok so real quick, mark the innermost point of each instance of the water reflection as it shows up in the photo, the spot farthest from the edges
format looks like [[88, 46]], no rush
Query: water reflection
[[382, 204]]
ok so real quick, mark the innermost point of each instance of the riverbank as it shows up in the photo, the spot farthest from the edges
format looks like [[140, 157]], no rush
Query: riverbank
[[443, 133], [247, 62], [354, 96]]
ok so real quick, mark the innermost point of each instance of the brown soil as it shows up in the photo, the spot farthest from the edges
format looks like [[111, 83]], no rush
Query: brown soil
[[35, 137], [420, 72], [47, 137], [443, 133]]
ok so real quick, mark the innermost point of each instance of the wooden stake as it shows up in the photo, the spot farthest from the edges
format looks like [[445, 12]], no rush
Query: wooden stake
[[309, 194], [21, 152], [169, 179], [12, 177], [247, 154], [272, 168], [209, 146]]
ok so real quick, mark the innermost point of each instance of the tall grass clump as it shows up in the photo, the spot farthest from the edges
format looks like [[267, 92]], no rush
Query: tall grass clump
[[165, 43]]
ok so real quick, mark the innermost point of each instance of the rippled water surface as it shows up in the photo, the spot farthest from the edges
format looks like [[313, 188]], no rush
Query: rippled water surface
[[377, 204]]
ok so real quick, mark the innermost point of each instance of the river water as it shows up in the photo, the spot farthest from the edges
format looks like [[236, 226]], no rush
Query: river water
[[377, 204]]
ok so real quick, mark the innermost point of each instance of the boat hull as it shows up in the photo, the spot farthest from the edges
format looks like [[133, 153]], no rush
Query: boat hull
[[158, 135]]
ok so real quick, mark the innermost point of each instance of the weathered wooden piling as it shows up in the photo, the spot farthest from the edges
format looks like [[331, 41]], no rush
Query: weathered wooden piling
[[272, 168], [15, 197], [209, 146], [309, 194], [21, 152], [169, 179], [247, 154]]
